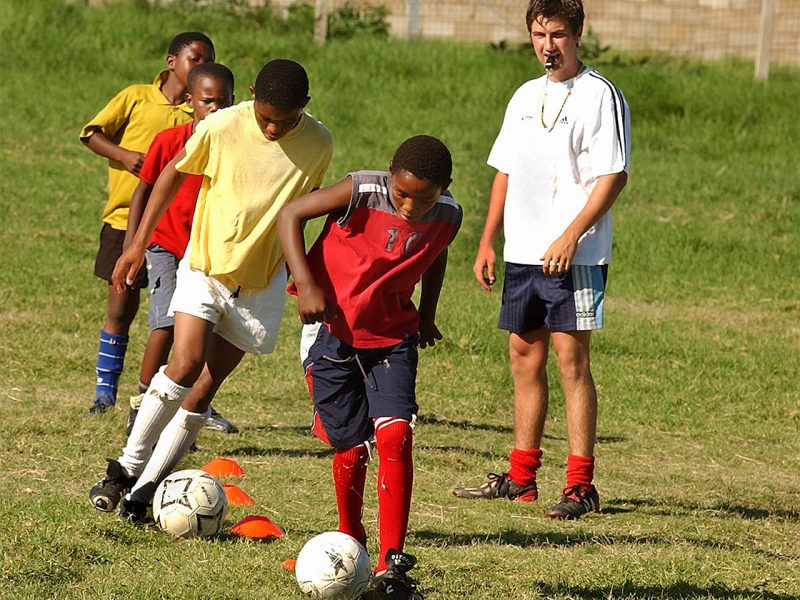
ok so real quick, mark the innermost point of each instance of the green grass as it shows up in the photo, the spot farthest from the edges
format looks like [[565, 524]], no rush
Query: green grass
[[698, 464]]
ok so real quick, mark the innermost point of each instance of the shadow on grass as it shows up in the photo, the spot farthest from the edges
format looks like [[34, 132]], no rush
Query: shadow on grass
[[570, 539], [323, 452], [680, 589], [432, 419], [673, 507]]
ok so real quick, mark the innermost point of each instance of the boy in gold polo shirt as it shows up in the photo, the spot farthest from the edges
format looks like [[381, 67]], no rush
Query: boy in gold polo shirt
[[229, 299], [122, 132]]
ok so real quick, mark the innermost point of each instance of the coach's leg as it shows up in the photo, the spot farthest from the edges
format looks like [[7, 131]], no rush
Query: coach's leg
[[528, 353], [580, 393]]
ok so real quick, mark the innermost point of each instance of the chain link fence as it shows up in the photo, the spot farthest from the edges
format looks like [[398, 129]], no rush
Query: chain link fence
[[700, 28]]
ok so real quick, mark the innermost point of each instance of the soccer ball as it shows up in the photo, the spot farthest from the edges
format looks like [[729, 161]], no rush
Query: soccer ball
[[190, 503], [333, 565]]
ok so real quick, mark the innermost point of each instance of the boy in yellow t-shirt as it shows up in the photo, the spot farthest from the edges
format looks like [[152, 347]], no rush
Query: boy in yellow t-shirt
[[229, 298], [122, 132]]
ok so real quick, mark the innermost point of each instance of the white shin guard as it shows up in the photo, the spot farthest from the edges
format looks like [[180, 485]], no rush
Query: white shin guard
[[175, 441], [160, 402]]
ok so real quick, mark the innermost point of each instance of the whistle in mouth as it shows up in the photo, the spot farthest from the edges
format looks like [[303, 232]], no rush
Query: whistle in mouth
[[549, 62]]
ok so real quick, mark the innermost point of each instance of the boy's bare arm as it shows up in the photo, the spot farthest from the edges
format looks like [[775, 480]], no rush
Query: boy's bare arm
[[100, 144], [138, 204], [163, 192], [486, 257], [432, 280], [312, 305]]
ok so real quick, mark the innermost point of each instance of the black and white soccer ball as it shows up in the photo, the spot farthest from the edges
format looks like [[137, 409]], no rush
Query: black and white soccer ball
[[333, 565], [190, 503]]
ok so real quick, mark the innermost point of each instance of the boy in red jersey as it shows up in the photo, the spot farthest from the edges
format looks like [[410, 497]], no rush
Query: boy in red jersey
[[209, 88], [385, 232]]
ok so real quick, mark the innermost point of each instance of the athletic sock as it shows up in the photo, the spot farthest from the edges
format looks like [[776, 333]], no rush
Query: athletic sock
[[349, 476], [393, 438], [580, 470], [110, 360], [524, 464], [173, 444], [160, 402]]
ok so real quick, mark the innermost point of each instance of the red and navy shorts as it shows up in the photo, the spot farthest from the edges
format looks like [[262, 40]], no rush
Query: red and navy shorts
[[571, 301], [352, 387]]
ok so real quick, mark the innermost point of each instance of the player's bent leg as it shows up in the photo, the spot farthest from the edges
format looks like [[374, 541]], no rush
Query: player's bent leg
[[160, 403], [192, 339], [156, 352]]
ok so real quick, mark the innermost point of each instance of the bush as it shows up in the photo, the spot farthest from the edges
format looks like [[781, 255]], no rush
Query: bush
[[347, 21]]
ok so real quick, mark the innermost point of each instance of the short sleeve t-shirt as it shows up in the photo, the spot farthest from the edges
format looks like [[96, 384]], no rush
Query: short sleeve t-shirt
[[553, 161], [246, 180], [172, 231], [368, 259], [131, 119]]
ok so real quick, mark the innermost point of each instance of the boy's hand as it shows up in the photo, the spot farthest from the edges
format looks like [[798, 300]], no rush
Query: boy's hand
[[313, 306], [127, 267], [133, 161], [428, 334], [484, 267]]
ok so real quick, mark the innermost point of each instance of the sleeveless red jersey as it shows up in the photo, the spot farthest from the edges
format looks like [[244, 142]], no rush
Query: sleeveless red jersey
[[368, 259]]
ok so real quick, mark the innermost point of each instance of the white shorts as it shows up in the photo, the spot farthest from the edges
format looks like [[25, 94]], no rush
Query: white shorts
[[247, 319]]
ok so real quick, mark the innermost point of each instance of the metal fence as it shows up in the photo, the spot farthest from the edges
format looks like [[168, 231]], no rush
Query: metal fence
[[749, 29]]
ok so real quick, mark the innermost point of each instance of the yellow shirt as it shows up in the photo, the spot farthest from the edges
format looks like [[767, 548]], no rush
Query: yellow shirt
[[247, 179], [131, 120]]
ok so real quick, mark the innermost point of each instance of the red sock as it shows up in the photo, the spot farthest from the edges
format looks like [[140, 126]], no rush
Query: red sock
[[349, 475], [395, 480], [524, 464], [580, 470]]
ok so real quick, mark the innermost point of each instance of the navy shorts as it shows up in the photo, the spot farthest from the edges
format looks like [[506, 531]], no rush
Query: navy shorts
[[162, 276], [571, 301], [110, 250], [352, 387]]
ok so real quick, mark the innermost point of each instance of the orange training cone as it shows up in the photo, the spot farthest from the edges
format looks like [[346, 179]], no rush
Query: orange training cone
[[289, 564], [256, 527], [236, 495], [223, 467]]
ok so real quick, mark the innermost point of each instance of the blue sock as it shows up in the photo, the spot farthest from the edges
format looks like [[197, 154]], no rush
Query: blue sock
[[110, 359]]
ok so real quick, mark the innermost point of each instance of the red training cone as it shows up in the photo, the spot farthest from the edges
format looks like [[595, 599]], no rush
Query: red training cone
[[256, 527], [236, 495], [223, 467]]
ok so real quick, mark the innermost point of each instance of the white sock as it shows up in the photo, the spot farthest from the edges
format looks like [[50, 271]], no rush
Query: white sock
[[175, 440], [161, 400]]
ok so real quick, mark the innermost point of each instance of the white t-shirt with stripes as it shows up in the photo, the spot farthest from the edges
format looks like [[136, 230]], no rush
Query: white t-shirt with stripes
[[552, 168]]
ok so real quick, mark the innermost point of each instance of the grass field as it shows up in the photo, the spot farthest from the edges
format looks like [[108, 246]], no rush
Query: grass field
[[699, 446]]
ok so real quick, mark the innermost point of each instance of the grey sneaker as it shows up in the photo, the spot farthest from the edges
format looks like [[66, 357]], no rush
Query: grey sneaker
[[394, 583], [216, 422], [575, 502], [106, 493], [498, 486]]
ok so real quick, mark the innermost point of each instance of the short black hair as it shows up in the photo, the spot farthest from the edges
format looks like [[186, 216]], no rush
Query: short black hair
[[425, 157], [187, 38], [283, 84], [569, 10], [212, 70]]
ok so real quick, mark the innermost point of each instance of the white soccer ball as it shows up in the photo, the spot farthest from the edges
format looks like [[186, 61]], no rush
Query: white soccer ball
[[333, 565], [190, 503]]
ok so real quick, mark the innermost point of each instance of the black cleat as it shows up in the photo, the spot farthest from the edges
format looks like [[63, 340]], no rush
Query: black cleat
[[394, 583], [498, 486], [575, 502], [99, 406], [106, 493]]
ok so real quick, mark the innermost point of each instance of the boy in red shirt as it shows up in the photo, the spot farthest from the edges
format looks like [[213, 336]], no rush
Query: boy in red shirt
[[385, 232], [209, 88]]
